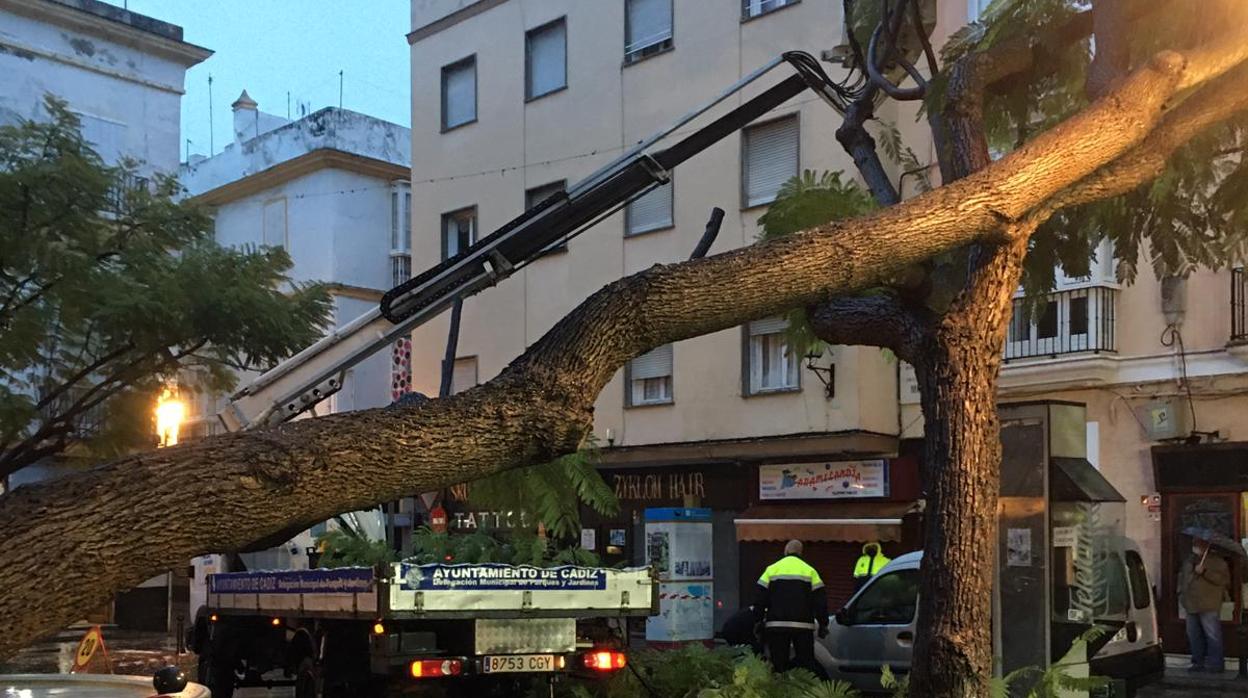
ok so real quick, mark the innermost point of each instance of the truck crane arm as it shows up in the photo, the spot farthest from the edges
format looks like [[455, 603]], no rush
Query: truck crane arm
[[300, 382]]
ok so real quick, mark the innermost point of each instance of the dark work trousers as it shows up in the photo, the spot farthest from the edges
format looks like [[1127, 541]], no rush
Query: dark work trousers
[[779, 640]]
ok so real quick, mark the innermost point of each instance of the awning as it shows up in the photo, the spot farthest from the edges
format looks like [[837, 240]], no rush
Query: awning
[[1077, 480], [845, 522]]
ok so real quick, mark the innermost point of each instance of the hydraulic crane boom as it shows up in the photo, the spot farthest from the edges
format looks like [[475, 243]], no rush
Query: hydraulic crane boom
[[302, 381]]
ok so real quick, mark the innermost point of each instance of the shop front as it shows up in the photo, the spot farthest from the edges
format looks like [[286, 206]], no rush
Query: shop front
[[721, 487], [1201, 485], [835, 508]]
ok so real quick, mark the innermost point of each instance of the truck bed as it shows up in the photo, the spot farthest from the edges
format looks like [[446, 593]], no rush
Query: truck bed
[[409, 590]]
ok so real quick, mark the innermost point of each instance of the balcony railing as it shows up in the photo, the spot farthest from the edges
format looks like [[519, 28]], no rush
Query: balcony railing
[[1066, 322], [1239, 312]]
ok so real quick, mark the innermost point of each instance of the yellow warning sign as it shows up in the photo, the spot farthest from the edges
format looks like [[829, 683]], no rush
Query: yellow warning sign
[[91, 643]]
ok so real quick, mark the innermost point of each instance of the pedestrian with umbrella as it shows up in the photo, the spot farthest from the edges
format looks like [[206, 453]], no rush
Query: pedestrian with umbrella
[[1203, 580]]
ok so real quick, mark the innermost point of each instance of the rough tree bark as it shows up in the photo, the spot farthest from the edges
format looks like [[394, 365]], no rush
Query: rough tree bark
[[71, 544], [960, 355]]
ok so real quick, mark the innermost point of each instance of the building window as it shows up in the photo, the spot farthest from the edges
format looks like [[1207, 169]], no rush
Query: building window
[[459, 93], [105, 136], [274, 224], [459, 231], [650, 378], [546, 59], [770, 365], [650, 211], [647, 28], [535, 196], [400, 233], [464, 374], [769, 158], [754, 8], [1064, 322]]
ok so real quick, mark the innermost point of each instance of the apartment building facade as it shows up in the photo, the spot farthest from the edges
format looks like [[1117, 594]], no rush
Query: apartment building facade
[[121, 72], [515, 99]]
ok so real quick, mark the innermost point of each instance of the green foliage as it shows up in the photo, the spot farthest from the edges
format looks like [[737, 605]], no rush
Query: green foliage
[[342, 549], [519, 548], [1053, 682], [804, 202], [694, 671], [110, 287], [1192, 216], [552, 492]]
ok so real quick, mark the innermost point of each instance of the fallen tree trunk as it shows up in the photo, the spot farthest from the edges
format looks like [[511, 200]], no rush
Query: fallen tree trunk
[[72, 543]]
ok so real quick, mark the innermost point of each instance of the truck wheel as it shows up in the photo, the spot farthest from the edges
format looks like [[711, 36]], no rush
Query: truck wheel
[[217, 673], [307, 679]]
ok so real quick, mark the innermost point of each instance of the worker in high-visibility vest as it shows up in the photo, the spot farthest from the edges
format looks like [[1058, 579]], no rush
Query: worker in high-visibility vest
[[793, 605], [868, 564]]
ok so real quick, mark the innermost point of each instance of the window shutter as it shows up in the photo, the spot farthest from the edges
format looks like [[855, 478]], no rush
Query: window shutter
[[460, 93], [771, 325], [275, 223], [547, 54], [651, 211], [652, 364], [464, 374], [770, 159], [649, 22], [407, 221], [394, 220]]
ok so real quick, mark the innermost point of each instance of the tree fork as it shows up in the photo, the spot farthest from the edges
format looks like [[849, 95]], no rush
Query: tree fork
[[72, 543]]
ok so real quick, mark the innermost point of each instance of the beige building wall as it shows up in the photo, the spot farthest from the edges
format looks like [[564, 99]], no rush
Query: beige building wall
[[514, 146]]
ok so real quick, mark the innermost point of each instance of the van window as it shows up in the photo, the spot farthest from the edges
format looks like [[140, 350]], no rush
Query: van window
[[1141, 595], [1116, 593], [891, 599]]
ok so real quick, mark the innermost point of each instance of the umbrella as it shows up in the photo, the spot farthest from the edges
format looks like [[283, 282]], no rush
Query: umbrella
[[1217, 540]]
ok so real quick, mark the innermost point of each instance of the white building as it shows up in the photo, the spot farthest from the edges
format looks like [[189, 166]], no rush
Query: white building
[[331, 188], [120, 71]]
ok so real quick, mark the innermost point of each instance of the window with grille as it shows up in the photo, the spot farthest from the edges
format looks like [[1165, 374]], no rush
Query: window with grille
[[650, 378], [459, 93], [400, 268], [400, 233], [650, 211], [546, 59], [771, 365], [459, 231], [647, 28], [754, 8]]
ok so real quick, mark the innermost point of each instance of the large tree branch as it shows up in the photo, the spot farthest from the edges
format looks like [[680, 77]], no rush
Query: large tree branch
[[71, 544], [1213, 103], [876, 320]]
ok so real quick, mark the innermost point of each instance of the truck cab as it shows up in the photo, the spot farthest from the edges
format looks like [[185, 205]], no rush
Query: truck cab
[[876, 627]]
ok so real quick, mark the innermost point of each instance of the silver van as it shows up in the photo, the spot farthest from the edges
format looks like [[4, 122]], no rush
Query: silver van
[[876, 627]]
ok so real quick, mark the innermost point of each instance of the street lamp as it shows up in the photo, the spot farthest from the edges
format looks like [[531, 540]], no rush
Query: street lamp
[[170, 412], [825, 374]]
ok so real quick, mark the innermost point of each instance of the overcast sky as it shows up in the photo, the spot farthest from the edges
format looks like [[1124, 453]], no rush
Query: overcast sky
[[275, 47]]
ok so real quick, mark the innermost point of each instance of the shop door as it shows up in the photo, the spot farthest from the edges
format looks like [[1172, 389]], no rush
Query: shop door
[[1221, 512]]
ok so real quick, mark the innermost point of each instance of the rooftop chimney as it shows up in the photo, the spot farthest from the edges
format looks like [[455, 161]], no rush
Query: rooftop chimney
[[246, 118]]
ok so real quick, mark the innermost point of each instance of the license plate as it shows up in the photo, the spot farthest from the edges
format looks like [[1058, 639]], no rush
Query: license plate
[[514, 663]]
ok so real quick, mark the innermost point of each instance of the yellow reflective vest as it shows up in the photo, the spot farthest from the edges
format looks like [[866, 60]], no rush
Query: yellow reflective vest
[[868, 564]]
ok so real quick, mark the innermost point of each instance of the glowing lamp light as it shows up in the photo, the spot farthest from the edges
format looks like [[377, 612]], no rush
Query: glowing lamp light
[[170, 413]]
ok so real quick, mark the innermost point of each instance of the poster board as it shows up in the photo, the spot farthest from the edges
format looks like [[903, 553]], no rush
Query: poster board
[[678, 544]]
